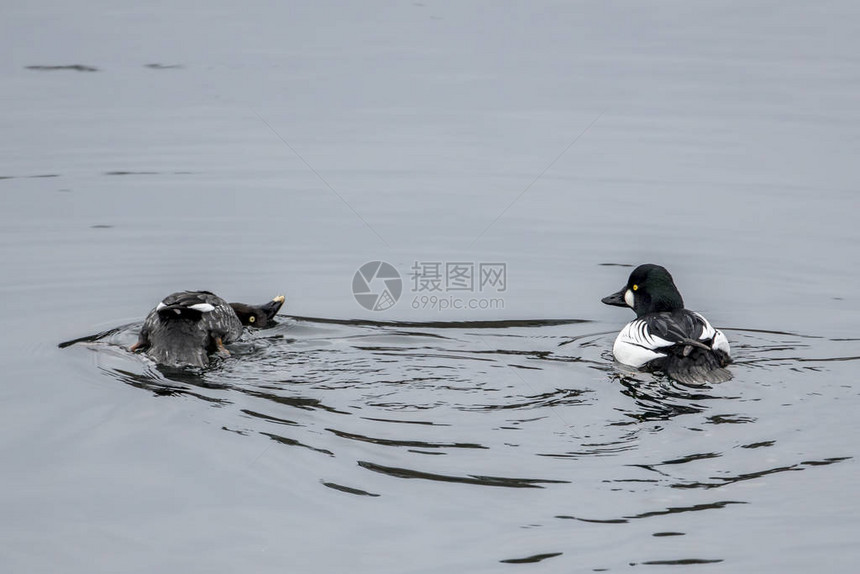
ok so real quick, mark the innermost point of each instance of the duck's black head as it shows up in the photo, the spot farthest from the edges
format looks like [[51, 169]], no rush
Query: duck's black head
[[650, 289], [258, 315]]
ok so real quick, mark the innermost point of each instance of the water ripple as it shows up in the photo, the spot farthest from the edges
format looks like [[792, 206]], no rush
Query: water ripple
[[409, 390], [470, 479]]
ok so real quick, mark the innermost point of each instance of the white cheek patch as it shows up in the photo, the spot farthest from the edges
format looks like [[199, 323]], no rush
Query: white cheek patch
[[202, 307], [628, 298]]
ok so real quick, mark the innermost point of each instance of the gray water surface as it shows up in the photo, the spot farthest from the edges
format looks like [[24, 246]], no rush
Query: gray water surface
[[258, 149]]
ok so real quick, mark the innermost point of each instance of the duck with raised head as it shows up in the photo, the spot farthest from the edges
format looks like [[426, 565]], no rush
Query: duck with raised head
[[186, 327], [666, 336]]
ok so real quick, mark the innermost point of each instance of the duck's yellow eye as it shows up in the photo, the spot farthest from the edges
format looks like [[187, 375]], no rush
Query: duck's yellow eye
[[251, 319], [635, 287]]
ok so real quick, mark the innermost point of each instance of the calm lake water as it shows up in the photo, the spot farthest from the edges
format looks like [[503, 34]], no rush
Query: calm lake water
[[255, 150]]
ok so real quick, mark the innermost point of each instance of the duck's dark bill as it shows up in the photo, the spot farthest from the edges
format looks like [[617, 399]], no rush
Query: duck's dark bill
[[616, 299], [272, 307]]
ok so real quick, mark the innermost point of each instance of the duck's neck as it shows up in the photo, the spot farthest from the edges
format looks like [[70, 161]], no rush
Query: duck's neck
[[666, 300]]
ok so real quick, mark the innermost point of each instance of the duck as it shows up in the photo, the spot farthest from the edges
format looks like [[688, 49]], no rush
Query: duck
[[665, 335], [186, 327]]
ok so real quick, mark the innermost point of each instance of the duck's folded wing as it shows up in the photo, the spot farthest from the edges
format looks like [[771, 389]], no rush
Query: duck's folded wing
[[682, 343], [679, 327], [687, 328]]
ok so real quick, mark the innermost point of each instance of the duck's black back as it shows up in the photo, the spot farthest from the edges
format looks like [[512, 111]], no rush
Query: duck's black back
[[691, 359]]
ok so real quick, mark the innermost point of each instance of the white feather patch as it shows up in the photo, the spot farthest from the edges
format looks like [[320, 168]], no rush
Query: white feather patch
[[635, 345], [202, 307], [721, 343], [707, 330]]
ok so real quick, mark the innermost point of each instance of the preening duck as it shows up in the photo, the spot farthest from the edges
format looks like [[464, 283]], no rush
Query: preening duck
[[186, 327]]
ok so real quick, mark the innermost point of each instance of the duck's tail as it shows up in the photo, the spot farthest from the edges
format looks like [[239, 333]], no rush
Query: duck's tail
[[697, 366]]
